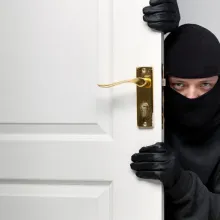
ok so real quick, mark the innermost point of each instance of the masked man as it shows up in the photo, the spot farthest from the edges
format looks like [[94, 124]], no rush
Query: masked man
[[188, 162]]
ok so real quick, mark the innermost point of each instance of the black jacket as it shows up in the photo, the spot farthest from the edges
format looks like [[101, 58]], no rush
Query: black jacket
[[196, 196]]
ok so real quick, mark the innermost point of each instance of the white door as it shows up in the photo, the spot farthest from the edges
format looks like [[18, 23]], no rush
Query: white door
[[65, 143]]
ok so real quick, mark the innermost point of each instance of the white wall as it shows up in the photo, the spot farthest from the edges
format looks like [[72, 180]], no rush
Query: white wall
[[202, 12]]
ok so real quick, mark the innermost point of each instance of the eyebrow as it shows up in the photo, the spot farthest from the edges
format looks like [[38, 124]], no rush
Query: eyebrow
[[207, 80], [183, 81], [177, 81]]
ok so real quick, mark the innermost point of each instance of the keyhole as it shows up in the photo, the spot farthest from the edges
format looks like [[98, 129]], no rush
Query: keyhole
[[145, 113]]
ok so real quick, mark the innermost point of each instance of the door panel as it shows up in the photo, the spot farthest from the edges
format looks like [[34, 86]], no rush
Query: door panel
[[44, 46], [65, 143], [44, 200]]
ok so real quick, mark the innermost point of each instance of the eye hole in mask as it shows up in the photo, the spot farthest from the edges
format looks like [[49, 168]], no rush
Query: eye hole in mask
[[192, 88]]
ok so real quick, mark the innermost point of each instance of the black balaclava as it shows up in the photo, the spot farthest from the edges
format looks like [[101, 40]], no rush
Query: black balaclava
[[192, 51]]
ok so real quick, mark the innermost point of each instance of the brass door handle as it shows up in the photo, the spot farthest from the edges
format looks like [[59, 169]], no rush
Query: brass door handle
[[144, 83]]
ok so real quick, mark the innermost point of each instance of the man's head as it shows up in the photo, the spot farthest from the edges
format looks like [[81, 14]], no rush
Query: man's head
[[192, 67]]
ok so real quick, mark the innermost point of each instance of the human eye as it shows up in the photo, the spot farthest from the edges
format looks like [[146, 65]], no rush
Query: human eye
[[178, 86], [207, 85]]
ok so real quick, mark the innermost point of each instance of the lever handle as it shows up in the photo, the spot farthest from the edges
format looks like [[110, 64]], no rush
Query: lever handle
[[142, 82]]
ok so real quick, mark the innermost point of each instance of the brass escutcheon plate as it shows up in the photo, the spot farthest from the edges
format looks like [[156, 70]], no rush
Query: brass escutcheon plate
[[145, 99]]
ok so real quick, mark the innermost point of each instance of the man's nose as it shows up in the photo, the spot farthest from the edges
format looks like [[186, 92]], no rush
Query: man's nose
[[192, 93]]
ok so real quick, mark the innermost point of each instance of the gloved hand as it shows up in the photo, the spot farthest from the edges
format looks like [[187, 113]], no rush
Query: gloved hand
[[162, 15], [156, 162]]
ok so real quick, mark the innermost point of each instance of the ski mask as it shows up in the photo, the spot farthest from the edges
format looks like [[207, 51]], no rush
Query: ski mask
[[192, 51]]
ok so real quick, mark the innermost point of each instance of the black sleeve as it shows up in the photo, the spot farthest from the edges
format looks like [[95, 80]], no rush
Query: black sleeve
[[191, 199]]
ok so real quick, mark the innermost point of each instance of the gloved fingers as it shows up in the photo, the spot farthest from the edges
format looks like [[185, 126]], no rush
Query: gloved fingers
[[149, 157], [160, 17], [160, 26], [149, 166], [147, 175], [157, 2], [148, 10], [155, 148]]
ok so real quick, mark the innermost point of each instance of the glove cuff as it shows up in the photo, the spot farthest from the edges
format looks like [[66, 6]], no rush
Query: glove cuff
[[181, 187]]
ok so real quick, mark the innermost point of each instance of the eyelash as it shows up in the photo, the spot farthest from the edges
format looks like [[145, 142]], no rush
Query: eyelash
[[207, 84]]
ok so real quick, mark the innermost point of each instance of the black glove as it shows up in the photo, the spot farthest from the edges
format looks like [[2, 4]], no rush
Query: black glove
[[162, 15], [156, 162]]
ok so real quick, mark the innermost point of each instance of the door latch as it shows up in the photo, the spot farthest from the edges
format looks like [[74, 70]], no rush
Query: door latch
[[144, 90]]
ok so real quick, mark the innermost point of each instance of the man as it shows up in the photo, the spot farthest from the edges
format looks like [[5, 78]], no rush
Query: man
[[188, 163]]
